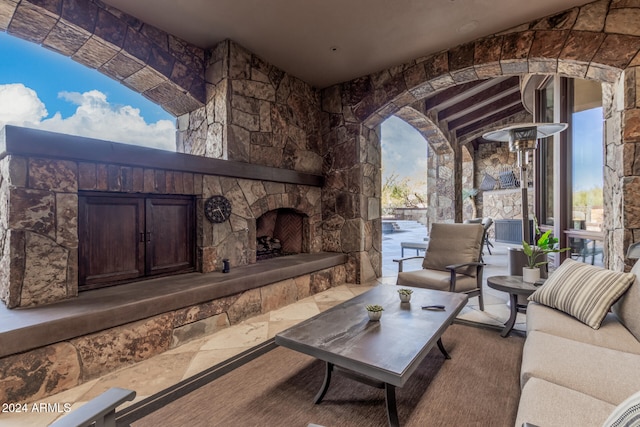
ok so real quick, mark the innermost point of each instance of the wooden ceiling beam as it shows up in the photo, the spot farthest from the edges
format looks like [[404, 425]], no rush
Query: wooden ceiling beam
[[434, 101], [501, 104], [460, 132], [472, 102]]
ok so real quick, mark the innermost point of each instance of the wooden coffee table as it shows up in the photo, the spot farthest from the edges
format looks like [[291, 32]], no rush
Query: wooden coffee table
[[381, 353]]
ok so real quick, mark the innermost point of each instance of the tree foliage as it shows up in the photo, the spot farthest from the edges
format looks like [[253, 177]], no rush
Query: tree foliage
[[402, 193], [592, 197]]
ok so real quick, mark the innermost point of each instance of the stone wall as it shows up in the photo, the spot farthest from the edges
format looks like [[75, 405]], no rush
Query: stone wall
[[505, 204], [440, 179], [42, 372], [255, 113]]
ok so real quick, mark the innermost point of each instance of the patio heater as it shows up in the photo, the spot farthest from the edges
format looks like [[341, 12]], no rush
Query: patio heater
[[523, 140]]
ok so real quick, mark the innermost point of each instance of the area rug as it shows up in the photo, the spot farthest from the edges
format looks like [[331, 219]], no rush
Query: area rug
[[479, 386]]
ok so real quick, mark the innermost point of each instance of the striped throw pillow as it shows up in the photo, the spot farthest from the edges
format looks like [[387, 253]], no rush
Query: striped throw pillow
[[583, 291], [627, 414]]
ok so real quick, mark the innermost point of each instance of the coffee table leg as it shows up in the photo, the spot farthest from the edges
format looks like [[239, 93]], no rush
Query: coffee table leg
[[512, 318], [325, 385], [392, 409], [442, 349]]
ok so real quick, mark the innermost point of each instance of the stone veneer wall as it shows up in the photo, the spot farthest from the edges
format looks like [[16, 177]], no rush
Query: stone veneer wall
[[255, 113], [48, 370], [39, 215]]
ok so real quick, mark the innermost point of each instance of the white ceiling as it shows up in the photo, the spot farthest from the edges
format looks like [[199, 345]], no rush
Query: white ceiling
[[299, 36]]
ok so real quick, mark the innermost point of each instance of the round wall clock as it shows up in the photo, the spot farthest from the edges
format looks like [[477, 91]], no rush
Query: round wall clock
[[217, 209]]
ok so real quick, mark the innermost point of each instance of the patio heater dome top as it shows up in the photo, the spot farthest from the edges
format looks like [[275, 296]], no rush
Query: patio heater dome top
[[524, 136]]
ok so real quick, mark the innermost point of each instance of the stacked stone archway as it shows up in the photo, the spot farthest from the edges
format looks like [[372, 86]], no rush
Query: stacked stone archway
[[594, 41]]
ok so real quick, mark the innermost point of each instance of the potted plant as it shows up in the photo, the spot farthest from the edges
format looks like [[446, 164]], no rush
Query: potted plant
[[374, 311], [405, 294], [537, 254]]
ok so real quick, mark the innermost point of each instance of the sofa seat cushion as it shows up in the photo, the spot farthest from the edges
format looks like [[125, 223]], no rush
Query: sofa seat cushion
[[543, 403], [435, 279], [599, 372], [611, 334], [583, 291]]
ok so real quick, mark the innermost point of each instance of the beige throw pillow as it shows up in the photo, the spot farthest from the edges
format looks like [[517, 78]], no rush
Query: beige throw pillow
[[583, 291]]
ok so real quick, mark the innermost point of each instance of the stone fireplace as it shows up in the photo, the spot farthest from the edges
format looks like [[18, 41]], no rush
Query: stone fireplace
[[281, 232]]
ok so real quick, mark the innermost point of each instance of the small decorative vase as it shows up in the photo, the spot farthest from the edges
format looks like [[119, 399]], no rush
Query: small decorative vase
[[374, 315], [405, 297], [225, 266], [530, 275]]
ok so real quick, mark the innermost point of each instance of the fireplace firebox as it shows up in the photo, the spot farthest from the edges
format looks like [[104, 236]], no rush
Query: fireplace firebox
[[281, 232]]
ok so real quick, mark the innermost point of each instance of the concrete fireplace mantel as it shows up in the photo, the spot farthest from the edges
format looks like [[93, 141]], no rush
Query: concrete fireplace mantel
[[30, 142]]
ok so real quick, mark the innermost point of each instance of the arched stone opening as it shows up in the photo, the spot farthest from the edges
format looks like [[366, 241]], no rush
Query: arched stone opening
[[158, 65], [440, 170], [592, 42]]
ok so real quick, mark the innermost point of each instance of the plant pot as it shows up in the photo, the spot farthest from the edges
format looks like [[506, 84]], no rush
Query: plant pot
[[374, 315], [530, 275], [405, 297]]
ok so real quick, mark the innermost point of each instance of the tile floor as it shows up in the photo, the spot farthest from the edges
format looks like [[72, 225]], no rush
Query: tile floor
[[155, 374]]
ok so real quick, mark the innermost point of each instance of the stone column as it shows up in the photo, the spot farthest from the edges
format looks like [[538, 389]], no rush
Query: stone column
[[39, 260], [351, 196], [622, 168], [440, 181]]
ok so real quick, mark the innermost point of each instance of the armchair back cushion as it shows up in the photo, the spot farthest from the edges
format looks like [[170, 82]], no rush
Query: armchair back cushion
[[453, 244]]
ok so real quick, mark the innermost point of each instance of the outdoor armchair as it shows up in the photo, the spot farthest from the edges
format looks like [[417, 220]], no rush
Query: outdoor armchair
[[451, 263]]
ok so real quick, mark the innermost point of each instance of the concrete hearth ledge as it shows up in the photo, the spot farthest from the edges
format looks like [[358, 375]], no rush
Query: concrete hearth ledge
[[92, 311]]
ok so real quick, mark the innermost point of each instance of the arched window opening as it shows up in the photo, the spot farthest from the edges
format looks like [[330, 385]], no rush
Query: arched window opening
[[45, 90]]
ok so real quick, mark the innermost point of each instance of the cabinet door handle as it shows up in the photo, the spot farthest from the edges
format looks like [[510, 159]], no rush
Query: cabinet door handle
[[148, 237], [141, 237]]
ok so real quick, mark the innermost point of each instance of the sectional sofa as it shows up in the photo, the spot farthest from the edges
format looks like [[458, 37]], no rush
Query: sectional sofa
[[573, 374]]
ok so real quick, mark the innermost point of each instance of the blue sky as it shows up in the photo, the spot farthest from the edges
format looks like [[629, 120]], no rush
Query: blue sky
[[45, 90], [587, 147], [404, 152]]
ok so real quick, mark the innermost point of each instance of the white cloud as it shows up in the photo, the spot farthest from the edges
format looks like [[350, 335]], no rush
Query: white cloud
[[94, 117], [20, 105]]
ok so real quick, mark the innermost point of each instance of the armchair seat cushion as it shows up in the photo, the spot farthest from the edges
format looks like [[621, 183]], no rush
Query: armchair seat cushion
[[436, 279]]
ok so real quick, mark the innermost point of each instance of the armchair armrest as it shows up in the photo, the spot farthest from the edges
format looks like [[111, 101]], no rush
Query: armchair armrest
[[453, 268], [402, 260]]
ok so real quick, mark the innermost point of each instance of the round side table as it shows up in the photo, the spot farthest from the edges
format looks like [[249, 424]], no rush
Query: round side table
[[514, 286]]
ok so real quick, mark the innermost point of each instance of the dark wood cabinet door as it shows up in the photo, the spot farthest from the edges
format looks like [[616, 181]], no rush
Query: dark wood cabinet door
[[111, 234], [170, 241], [128, 237]]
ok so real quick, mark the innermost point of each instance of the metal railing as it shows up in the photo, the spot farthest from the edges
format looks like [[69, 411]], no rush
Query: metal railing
[[98, 412]]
